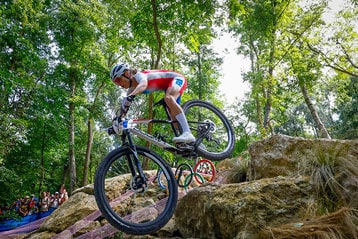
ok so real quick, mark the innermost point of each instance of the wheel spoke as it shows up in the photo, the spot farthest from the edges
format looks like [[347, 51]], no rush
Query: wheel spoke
[[130, 201], [210, 124]]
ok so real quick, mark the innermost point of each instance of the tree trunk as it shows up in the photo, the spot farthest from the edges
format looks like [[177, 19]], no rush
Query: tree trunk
[[157, 34], [268, 105], [323, 133], [90, 136], [156, 63], [200, 76], [270, 81], [71, 151], [88, 152], [42, 160]]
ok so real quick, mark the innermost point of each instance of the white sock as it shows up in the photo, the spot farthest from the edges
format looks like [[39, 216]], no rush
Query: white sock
[[183, 122]]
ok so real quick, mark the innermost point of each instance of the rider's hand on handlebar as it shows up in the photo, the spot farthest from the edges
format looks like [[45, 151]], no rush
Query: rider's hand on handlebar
[[126, 103], [110, 130], [116, 124]]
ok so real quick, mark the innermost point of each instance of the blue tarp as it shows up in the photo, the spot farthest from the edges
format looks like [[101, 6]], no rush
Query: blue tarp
[[6, 225]]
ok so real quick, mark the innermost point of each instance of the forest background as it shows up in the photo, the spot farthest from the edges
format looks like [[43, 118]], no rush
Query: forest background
[[56, 96]]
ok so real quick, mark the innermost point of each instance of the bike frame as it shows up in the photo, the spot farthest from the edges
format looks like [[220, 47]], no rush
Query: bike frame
[[129, 126]]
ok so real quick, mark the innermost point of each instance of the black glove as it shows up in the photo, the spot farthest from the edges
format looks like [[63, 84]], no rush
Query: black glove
[[126, 102], [110, 130], [130, 98]]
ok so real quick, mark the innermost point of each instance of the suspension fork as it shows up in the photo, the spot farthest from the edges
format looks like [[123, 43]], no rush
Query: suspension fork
[[134, 164]]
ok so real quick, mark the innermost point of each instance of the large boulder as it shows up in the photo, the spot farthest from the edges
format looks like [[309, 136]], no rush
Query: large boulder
[[331, 164], [79, 206], [282, 155], [67, 221], [291, 181], [242, 210]]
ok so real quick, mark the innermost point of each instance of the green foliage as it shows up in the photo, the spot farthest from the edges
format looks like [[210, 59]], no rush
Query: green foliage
[[10, 214], [241, 118], [346, 127], [203, 75], [23, 61], [8, 180], [289, 46]]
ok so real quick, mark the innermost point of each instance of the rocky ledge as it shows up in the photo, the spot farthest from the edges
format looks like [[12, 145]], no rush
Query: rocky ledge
[[295, 188]]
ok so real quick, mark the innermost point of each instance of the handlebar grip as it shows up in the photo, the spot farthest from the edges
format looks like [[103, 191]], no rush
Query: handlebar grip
[[110, 131]]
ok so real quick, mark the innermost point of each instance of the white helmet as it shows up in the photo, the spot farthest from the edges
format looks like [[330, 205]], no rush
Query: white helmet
[[118, 70]]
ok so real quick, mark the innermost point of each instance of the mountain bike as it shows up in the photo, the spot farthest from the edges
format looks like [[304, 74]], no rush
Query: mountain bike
[[126, 186]]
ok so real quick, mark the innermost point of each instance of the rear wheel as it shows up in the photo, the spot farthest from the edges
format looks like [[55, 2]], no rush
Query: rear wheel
[[211, 127], [132, 203]]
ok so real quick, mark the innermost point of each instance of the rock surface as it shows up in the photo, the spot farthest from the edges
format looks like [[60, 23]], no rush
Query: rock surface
[[241, 210], [280, 191], [282, 155]]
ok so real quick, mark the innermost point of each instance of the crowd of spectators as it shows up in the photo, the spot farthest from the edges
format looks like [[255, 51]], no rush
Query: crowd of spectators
[[29, 205]]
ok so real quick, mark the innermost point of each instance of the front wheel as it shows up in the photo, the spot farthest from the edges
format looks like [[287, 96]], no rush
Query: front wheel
[[128, 194], [211, 128]]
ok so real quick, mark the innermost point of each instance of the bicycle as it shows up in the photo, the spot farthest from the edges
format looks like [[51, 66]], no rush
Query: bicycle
[[142, 206]]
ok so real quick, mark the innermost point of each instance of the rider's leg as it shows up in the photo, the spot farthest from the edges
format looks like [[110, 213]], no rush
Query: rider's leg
[[172, 93], [172, 117]]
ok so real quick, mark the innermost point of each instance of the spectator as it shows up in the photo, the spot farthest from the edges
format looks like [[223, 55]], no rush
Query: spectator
[[44, 202], [35, 206], [23, 210], [55, 201], [16, 205], [31, 204], [64, 196]]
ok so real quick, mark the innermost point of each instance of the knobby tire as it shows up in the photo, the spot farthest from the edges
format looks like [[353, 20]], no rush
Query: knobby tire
[[113, 170], [218, 144]]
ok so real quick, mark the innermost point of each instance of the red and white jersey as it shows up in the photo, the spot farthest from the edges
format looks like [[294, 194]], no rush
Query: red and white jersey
[[161, 80]]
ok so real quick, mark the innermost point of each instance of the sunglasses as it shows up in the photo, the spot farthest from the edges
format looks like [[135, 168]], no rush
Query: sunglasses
[[117, 80]]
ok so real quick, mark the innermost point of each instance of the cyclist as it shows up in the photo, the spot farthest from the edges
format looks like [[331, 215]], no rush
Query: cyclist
[[147, 81]]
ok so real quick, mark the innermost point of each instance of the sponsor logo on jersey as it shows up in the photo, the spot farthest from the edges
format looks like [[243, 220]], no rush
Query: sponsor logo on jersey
[[179, 82]]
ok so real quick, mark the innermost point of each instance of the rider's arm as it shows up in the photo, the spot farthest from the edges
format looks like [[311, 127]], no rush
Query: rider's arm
[[130, 90], [142, 84]]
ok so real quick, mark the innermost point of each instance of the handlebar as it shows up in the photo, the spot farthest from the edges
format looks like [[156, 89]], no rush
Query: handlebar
[[121, 125], [110, 131]]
